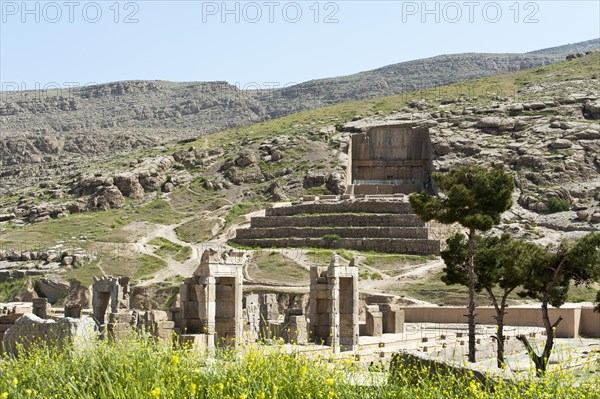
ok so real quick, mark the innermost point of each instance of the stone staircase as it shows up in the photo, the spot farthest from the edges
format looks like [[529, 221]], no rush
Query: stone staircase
[[366, 223]]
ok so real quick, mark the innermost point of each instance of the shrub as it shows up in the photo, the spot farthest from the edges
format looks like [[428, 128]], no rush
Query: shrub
[[330, 239], [558, 205], [376, 276]]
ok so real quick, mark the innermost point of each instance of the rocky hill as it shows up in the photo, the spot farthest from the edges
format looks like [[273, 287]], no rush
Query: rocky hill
[[59, 126]]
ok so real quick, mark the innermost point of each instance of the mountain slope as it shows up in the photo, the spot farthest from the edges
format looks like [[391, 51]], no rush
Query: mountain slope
[[190, 109]]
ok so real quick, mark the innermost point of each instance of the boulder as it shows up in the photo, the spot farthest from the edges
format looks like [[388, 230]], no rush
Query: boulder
[[31, 330], [588, 134], [336, 183], [79, 295], [276, 155], [168, 187], [246, 159], [186, 157], [582, 215], [52, 289], [66, 261], [496, 123], [315, 178], [129, 185], [277, 193], [561, 144], [591, 109], [595, 218], [107, 198]]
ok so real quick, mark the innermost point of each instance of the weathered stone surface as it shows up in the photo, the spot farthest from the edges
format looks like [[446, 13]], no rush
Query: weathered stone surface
[[493, 122], [129, 185], [591, 109], [315, 178], [30, 329], [52, 289], [107, 197], [561, 144]]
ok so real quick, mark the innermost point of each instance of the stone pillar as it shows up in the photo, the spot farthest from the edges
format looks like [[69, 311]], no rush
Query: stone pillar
[[40, 307], [211, 300], [295, 327], [333, 305], [393, 318], [374, 325], [73, 311]]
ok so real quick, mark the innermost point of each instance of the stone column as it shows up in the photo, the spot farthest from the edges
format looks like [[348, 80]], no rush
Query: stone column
[[40, 307]]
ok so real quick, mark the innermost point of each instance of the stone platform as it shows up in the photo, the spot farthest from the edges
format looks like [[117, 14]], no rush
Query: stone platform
[[365, 223]]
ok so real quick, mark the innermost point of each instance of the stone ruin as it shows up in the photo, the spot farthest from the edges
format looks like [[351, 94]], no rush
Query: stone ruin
[[211, 311], [391, 158], [109, 295], [333, 314], [211, 300]]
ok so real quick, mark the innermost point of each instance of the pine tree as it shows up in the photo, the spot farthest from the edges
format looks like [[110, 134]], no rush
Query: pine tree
[[500, 262], [570, 262], [475, 198]]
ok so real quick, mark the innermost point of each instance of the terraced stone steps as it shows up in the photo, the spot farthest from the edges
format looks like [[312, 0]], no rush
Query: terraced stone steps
[[339, 220], [384, 207], [385, 224], [352, 232], [389, 245]]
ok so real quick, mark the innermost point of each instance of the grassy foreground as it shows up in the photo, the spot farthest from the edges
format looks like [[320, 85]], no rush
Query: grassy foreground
[[144, 369]]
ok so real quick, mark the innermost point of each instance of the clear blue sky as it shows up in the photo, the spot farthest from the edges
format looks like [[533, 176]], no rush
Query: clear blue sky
[[265, 41]]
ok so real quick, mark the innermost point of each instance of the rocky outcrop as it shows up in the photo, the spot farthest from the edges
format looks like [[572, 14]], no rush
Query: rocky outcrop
[[107, 198], [129, 185], [52, 289]]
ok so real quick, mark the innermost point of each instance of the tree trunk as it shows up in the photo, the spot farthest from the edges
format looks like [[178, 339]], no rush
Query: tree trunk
[[541, 361], [499, 308], [471, 285], [500, 337]]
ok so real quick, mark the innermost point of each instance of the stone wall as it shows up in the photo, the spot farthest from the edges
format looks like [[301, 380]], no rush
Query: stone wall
[[577, 319], [339, 220], [388, 245], [347, 232], [362, 206]]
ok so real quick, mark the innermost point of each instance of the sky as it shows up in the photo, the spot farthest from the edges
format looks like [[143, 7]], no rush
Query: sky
[[263, 44]]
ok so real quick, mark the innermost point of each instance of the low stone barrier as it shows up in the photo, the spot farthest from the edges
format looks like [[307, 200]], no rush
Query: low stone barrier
[[346, 232]]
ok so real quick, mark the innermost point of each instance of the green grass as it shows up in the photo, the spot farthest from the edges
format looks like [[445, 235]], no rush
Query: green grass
[[146, 266], [393, 265], [169, 249], [94, 226], [434, 290], [139, 368], [9, 288], [117, 260], [275, 267], [243, 208], [196, 230], [159, 212]]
